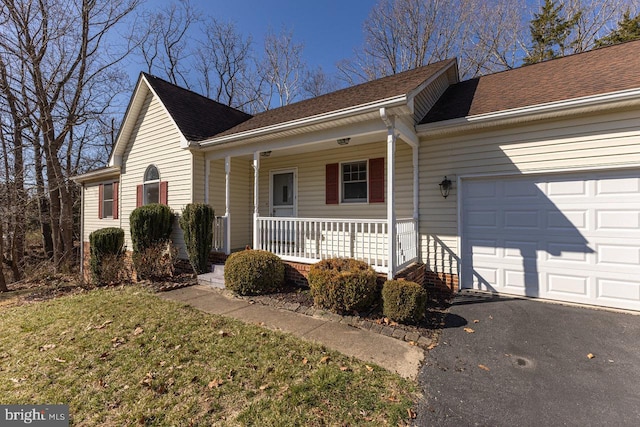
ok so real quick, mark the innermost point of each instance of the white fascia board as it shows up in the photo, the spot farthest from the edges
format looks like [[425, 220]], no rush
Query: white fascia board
[[97, 174], [407, 133], [411, 95], [534, 112], [307, 121], [126, 126]]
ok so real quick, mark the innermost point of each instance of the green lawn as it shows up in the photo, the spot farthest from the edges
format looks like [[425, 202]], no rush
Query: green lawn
[[126, 357]]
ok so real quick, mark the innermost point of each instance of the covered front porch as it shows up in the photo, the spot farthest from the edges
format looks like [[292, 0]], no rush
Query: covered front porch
[[281, 198]]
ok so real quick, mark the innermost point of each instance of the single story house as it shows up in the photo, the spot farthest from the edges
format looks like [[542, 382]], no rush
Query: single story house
[[523, 182]]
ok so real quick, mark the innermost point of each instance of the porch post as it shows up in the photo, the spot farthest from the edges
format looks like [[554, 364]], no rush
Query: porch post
[[416, 184], [256, 176], [391, 208], [227, 204], [207, 173]]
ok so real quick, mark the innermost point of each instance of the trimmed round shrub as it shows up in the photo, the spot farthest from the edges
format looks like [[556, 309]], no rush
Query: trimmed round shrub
[[253, 272], [404, 301], [150, 224], [343, 285], [196, 223], [105, 244]]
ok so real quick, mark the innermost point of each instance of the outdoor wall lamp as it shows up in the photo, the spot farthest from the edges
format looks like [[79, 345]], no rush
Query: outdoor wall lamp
[[445, 187], [343, 141], [265, 154]]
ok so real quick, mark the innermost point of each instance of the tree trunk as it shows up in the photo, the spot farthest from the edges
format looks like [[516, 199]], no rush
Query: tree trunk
[[43, 202], [3, 283]]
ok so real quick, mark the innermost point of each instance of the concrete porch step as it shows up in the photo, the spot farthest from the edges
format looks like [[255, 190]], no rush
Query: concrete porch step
[[215, 278]]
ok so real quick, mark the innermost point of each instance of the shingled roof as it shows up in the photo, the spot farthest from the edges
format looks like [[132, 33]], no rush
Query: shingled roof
[[197, 117], [599, 71], [376, 90]]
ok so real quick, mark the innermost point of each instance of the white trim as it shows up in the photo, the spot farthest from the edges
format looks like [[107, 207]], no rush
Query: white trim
[[341, 183], [256, 200], [111, 171], [554, 171], [307, 121], [273, 172], [532, 112], [391, 208], [458, 251]]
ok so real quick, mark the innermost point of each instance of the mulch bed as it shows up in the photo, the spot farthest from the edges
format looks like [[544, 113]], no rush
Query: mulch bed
[[425, 334]]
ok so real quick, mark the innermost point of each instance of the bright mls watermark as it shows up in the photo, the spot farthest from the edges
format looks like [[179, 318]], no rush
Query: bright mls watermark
[[35, 415]]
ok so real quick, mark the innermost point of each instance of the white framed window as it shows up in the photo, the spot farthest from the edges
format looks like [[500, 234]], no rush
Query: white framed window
[[354, 182], [151, 185], [107, 201]]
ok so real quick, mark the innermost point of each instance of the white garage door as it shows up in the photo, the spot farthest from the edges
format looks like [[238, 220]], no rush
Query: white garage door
[[563, 237]]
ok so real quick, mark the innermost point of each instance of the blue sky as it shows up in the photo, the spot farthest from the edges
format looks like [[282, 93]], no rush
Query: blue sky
[[329, 29]]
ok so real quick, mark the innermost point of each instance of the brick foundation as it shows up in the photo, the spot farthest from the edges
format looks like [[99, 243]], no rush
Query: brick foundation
[[296, 273], [442, 283]]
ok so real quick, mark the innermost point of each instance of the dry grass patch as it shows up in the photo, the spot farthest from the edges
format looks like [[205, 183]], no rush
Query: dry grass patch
[[126, 357]]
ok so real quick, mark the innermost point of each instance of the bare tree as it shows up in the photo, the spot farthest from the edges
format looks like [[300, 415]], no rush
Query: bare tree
[[223, 60], [164, 41], [282, 67], [317, 83], [61, 47]]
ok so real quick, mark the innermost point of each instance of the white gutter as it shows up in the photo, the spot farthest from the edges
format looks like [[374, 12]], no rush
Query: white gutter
[[540, 111], [100, 173], [307, 121]]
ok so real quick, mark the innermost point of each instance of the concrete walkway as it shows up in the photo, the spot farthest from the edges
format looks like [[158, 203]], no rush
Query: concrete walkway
[[392, 354]]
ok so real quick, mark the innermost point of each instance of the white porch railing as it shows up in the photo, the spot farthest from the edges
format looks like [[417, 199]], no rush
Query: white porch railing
[[310, 240], [219, 234]]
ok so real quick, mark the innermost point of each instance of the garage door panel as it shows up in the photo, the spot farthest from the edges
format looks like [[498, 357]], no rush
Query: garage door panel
[[567, 284], [622, 290], [573, 237], [521, 220], [567, 220]]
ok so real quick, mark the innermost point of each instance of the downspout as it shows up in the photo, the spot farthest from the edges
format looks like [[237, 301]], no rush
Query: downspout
[[391, 211]]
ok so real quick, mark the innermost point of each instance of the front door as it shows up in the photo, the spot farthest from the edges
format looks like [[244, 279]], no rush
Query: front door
[[283, 193]]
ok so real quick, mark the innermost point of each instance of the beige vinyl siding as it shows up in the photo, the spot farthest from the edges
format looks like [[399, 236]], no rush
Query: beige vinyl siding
[[427, 98], [91, 220], [198, 178], [241, 206], [156, 140], [311, 181], [573, 144]]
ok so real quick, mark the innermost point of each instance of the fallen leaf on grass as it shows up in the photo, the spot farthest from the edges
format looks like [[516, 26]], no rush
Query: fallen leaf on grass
[[223, 333], [325, 359], [344, 368], [412, 414], [305, 361], [104, 355], [146, 381], [57, 359], [469, 330], [393, 399], [369, 368], [590, 356], [138, 331], [117, 341], [484, 368], [104, 324], [47, 347], [264, 387], [215, 383]]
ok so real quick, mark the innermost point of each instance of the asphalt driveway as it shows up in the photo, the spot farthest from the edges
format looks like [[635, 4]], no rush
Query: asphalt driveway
[[531, 363]]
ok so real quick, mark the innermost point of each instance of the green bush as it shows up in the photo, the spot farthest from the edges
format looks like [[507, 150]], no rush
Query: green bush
[[342, 285], [253, 272], [197, 225], [106, 246], [150, 224], [404, 301]]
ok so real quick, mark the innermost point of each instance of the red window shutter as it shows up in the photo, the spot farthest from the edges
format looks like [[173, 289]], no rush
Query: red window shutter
[[332, 181], [164, 193], [115, 200], [376, 180], [139, 193], [100, 200]]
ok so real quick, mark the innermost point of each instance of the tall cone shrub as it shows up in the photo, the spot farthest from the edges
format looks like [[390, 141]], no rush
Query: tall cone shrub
[[197, 225], [104, 244], [150, 224]]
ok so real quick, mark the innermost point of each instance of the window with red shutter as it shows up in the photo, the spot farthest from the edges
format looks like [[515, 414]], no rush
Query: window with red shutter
[[332, 184], [376, 180]]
